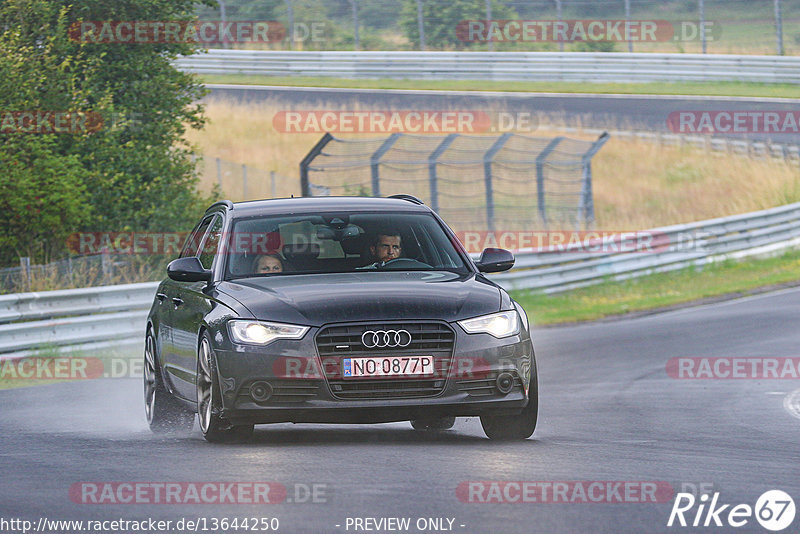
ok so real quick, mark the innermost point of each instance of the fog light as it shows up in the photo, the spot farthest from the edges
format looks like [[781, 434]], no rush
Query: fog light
[[504, 383], [260, 391]]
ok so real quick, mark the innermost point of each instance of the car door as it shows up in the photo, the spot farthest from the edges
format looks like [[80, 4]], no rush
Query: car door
[[190, 306], [176, 372]]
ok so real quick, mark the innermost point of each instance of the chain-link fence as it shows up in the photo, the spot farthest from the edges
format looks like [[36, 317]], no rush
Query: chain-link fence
[[237, 181], [511, 181], [692, 26], [82, 271]]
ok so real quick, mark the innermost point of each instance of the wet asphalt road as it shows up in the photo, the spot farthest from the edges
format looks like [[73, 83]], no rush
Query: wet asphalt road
[[608, 412]]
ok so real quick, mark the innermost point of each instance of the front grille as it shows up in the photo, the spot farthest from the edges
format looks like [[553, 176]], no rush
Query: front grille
[[346, 339], [284, 392], [485, 386], [427, 339]]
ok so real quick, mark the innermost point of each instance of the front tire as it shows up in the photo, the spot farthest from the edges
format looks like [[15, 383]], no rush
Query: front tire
[[164, 413], [515, 427], [209, 401], [433, 425]]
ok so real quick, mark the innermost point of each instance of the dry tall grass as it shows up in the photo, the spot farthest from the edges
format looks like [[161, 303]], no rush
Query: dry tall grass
[[637, 184]]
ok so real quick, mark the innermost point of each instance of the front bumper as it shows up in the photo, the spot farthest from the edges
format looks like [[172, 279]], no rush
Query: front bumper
[[302, 390]]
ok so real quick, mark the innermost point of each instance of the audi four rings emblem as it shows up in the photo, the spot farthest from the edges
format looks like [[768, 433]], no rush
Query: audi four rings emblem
[[385, 338]]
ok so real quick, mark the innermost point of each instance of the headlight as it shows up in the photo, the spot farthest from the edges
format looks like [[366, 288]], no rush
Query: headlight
[[263, 333], [501, 324]]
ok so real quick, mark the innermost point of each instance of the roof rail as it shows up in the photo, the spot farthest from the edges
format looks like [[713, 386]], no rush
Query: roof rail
[[227, 203], [409, 198]]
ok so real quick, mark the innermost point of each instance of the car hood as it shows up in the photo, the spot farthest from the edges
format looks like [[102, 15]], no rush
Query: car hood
[[317, 299]]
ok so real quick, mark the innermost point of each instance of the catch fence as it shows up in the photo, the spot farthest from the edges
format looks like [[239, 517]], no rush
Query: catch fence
[[510, 181]]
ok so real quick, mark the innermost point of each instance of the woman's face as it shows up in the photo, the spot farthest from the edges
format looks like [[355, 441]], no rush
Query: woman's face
[[268, 264]]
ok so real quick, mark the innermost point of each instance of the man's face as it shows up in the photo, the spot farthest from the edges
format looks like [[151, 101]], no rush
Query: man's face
[[387, 248]]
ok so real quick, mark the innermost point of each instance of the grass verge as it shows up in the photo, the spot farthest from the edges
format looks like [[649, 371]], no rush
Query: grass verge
[[637, 184], [655, 88], [664, 290]]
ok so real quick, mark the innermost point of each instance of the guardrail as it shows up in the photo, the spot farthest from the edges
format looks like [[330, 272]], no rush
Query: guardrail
[[500, 66], [74, 319], [672, 247], [114, 316]]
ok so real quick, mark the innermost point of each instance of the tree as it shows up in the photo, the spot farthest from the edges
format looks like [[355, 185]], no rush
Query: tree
[[442, 17], [133, 171]]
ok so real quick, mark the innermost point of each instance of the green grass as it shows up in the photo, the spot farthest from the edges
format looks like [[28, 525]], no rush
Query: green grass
[[661, 88], [660, 290]]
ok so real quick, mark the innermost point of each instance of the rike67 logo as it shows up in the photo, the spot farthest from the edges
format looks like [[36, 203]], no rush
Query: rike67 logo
[[774, 510]]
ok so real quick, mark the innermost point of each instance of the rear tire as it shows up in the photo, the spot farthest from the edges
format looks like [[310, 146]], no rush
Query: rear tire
[[515, 427], [428, 425], [164, 413], [209, 401]]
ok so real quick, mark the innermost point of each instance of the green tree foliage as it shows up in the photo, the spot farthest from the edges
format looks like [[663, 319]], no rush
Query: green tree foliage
[[441, 18], [133, 172]]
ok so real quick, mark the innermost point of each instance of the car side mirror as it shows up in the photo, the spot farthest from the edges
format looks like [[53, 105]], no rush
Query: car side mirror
[[188, 270], [495, 260]]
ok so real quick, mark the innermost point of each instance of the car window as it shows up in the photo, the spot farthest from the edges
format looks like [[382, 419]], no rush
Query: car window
[[192, 244], [211, 243], [340, 242]]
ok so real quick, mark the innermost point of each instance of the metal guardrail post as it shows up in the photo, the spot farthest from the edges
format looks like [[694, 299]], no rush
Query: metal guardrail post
[[587, 196], [305, 185], [540, 160], [244, 182], [487, 175], [375, 161], [432, 178]]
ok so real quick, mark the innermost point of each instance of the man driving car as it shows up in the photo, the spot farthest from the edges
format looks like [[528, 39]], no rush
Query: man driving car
[[386, 246]]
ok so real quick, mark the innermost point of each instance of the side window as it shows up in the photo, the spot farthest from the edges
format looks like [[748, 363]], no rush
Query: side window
[[193, 243], [211, 243]]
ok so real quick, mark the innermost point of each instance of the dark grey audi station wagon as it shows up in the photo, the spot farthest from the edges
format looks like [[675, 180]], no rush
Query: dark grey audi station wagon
[[335, 310]]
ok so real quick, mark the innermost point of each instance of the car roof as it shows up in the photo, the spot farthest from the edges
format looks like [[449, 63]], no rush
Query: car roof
[[314, 204]]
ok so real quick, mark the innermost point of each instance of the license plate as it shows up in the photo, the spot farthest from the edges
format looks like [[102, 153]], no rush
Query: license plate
[[387, 366]]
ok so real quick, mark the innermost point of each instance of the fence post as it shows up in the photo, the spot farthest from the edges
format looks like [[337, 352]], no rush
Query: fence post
[[433, 180], [356, 41], [489, 23], [701, 7], [25, 269], [375, 161], [105, 265], [779, 26], [540, 160], [559, 16], [244, 182], [290, 14], [587, 196], [627, 30], [420, 26], [487, 177], [305, 185]]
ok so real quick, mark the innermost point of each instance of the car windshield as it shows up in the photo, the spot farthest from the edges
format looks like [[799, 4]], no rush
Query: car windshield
[[340, 242]]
